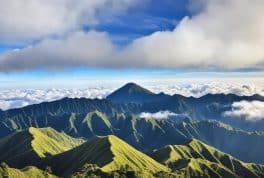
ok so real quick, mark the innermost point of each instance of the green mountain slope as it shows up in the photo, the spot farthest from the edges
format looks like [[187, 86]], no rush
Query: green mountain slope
[[27, 172], [247, 146], [109, 156], [56, 114], [140, 132], [197, 158], [88, 118], [109, 153], [30, 146], [91, 124], [194, 168]]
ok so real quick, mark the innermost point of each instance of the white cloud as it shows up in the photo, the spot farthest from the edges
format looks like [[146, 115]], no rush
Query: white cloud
[[250, 111], [17, 98], [78, 49], [201, 87], [33, 19], [225, 34], [157, 115]]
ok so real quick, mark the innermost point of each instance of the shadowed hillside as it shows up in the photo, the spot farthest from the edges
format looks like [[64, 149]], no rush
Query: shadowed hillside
[[29, 146]]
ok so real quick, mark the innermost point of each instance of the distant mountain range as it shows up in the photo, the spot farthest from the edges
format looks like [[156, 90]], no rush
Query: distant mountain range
[[130, 99], [54, 135]]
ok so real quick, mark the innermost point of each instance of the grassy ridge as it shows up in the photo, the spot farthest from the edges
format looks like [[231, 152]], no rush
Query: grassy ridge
[[109, 153], [31, 145], [109, 156], [47, 141], [195, 157], [140, 132]]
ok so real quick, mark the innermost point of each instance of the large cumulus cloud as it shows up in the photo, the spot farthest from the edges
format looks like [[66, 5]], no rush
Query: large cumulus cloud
[[224, 34], [88, 49], [25, 20]]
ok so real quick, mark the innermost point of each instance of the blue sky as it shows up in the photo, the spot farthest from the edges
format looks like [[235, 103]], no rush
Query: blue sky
[[131, 40], [147, 19], [138, 21]]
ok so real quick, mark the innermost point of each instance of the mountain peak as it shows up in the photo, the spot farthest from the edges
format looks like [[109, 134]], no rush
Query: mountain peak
[[131, 84], [110, 153], [133, 93], [131, 88]]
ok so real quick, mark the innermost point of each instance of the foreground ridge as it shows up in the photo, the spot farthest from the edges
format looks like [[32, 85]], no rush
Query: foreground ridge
[[32, 145], [110, 156], [109, 153], [196, 158], [27, 172]]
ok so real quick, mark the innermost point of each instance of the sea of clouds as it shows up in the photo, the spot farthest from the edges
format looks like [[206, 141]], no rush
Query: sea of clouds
[[16, 98]]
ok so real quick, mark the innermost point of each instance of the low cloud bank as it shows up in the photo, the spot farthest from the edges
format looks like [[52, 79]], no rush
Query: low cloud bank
[[203, 87], [16, 98], [250, 111]]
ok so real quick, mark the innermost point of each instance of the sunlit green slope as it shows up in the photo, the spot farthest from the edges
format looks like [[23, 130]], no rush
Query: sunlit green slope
[[196, 158], [27, 172], [30, 146], [109, 153]]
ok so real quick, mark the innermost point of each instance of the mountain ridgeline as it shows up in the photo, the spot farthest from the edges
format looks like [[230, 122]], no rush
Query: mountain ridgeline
[[130, 100], [118, 115], [110, 137], [133, 93], [110, 156], [186, 158]]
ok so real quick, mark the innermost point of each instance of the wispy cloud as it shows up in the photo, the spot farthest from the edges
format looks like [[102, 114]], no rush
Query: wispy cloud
[[250, 111], [158, 115]]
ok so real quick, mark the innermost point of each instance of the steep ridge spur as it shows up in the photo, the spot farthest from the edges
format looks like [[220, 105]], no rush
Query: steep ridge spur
[[109, 153], [29, 146]]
